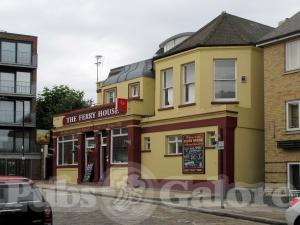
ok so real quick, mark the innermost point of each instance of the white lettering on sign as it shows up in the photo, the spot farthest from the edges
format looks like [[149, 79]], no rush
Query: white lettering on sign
[[91, 115]]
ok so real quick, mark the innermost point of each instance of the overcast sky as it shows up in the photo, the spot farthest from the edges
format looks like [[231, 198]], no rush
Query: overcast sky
[[71, 32]]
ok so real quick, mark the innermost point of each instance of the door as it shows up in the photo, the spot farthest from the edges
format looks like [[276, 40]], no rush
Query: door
[[11, 167]]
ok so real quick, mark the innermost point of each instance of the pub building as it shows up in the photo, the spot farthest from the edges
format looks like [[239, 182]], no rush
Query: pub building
[[191, 113]]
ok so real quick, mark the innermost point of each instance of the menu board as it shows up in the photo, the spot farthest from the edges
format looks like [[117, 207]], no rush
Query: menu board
[[193, 153]]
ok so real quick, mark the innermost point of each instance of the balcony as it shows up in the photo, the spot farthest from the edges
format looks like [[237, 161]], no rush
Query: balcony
[[9, 118], [23, 61], [8, 88]]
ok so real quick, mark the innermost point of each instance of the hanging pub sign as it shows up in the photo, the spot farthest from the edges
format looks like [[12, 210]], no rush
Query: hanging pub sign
[[96, 112], [193, 153]]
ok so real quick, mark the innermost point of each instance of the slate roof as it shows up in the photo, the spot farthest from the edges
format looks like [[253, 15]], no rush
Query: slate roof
[[129, 72], [224, 30], [289, 27]]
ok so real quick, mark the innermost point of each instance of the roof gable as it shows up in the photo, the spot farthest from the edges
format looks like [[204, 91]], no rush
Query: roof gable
[[289, 27], [224, 30]]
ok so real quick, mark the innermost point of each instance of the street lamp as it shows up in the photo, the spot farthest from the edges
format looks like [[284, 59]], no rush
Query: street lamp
[[99, 60]]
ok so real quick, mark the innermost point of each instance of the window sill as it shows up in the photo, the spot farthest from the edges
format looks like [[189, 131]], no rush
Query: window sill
[[173, 155], [146, 151], [186, 105], [119, 164], [67, 166], [166, 108], [224, 102], [291, 72], [135, 99], [288, 132], [210, 147]]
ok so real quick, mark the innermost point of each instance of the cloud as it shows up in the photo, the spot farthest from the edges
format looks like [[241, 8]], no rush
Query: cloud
[[72, 32]]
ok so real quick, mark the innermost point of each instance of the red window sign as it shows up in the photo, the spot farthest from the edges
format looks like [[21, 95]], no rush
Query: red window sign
[[121, 104]]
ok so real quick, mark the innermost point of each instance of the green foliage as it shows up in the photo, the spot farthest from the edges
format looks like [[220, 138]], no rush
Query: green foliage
[[58, 99]]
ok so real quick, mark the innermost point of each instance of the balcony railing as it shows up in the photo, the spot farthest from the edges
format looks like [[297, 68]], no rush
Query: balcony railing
[[23, 59], [10, 117], [23, 88]]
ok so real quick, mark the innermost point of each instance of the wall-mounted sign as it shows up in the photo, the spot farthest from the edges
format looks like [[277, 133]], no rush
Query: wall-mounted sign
[[93, 113], [220, 145], [121, 104], [193, 153]]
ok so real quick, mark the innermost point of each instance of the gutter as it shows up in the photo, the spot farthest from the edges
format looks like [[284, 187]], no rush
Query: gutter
[[277, 40]]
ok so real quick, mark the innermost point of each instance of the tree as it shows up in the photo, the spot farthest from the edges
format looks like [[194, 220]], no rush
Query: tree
[[58, 99]]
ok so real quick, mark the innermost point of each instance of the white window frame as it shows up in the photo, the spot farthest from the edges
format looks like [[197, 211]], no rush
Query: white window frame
[[88, 147], [147, 142], [235, 79], [188, 84], [73, 140], [165, 89], [176, 141], [210, 137], [132, 87], [286, 55], [107, 95], [111, 145], [288, 173], [287, 115]]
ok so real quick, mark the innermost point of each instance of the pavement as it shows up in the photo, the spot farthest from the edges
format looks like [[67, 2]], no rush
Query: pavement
[[176, 200]]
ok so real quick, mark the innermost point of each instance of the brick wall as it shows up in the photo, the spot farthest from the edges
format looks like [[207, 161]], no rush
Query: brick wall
[[279, 87]]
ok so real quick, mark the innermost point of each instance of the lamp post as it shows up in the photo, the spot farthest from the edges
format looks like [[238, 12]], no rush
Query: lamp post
[[99, 59]]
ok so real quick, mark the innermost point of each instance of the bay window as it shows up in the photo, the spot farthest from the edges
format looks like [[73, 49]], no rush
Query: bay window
[[174, 144], [225, 79], [292, 55], [167, 88], [293, 115], [189, 83], [119, 146], [67, 150]]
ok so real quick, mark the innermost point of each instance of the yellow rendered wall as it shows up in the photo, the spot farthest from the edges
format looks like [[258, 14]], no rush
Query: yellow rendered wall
[[118, 177], [144, 106], [68, 175], [156, 166], [249, 157]]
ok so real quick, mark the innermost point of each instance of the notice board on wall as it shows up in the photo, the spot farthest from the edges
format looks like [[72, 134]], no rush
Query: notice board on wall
[[88, 172], [193, 153]]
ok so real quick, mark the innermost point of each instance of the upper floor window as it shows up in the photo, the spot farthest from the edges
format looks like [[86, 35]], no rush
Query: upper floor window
[[225, 79], [12, 111], [292, 55], [189, 83], [23, 83], [167, 88], [7, 82], [24, 53], [12, 52], [110, 95], [8, 52], [293, 115], [134, 90]]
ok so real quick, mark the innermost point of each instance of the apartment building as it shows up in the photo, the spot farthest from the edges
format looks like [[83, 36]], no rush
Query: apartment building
[[18, 74]]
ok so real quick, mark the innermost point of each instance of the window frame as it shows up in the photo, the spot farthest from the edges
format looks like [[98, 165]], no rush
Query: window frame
[[210, 137], [176, 141], [114, 90], [62, 141], [287, 115], [121, 134], [130, 86], [147, 140], [286, 55], [16, 51], [184, 84], [288, 174], [164, 89], [235, 79]]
